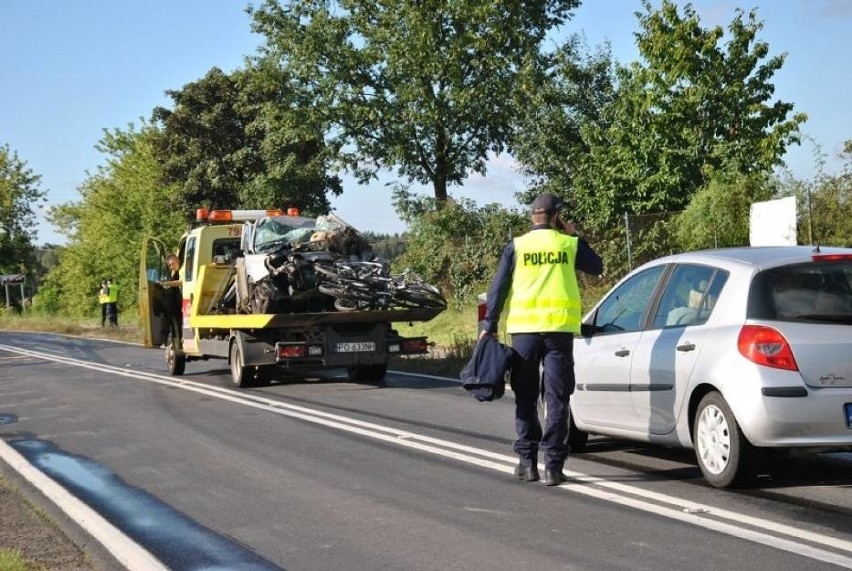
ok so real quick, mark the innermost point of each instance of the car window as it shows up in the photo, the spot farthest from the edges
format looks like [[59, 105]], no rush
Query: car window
[[820, 291], [690, 296], [624, 307]]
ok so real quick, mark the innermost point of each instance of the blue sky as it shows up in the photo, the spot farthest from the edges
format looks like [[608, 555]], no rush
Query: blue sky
[[70, 69]]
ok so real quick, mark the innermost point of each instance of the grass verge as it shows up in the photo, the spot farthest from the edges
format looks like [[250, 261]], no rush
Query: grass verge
[[12, 560], [84, 327]]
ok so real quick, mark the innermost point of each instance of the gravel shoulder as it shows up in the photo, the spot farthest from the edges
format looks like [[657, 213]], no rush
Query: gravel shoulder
[[44, 536]]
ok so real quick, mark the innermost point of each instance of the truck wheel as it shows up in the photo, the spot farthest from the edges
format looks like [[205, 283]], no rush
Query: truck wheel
[[241, 375], [175, 359], [367, 373]]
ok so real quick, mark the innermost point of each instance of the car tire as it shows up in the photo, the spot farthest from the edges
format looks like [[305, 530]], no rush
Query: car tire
[[724, 454], [576, 438]]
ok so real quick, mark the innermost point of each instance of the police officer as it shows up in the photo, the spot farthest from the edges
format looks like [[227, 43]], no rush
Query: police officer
[[112, 302], [103, 299], [536, 281]]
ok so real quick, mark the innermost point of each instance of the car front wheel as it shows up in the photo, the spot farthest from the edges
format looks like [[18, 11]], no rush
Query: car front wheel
[[576, 438], [724, 454]]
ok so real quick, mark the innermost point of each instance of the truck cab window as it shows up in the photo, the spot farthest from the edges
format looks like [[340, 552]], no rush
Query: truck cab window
[[188, 267]]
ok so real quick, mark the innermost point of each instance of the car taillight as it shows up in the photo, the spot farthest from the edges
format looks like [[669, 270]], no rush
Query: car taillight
[[831, 257], [766, 346]]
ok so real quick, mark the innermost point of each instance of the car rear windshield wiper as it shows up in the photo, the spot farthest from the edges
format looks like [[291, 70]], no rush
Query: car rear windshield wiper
[[830, 317]]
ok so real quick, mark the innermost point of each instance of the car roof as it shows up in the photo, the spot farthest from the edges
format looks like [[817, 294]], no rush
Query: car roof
[[756, 257]]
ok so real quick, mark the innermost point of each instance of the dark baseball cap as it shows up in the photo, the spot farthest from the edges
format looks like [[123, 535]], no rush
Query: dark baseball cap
[[547, 203]]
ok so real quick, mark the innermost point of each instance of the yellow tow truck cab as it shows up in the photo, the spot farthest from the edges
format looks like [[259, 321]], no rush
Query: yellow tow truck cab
[[219, 266]]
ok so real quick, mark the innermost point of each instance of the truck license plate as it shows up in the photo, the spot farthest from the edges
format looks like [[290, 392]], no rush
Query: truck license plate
[[356, 347], [848, 407]]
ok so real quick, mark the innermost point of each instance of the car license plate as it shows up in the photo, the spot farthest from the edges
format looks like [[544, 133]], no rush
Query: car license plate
[[848, 407], [360, 347]]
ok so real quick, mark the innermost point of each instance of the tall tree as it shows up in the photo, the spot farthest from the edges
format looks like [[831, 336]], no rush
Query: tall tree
[[236, 141], [428, 88], [19, 195], [571, 95], [123, 202], [699, 102]]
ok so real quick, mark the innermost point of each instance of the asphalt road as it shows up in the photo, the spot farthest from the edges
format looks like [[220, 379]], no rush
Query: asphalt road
[[318, 473]]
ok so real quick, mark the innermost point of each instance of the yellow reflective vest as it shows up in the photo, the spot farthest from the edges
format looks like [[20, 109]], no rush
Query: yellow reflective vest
[[544, 296], [112, 296]]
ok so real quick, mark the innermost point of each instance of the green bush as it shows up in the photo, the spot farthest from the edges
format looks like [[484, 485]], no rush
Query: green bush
[[456, 245]]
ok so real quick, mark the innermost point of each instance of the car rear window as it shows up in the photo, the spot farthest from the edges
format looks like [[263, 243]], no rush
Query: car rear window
[[819, 291]]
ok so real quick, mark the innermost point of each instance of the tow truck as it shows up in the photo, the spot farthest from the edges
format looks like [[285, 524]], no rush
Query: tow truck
[[227, 313]]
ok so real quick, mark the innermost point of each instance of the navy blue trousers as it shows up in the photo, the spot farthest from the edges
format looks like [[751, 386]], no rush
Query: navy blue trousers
[[555, 351]]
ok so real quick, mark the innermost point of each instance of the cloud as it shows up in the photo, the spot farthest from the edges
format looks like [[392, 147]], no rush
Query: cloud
[[716, 13], [835, 9]]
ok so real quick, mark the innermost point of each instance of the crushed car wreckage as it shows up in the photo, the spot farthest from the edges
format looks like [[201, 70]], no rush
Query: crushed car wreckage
[[290, 264]]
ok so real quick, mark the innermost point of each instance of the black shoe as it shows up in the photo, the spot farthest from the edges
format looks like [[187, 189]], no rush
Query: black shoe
[[554, 476], [527, 472]]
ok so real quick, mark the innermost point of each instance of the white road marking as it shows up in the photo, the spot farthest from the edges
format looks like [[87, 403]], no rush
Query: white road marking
[[126, 551], [702, 515]]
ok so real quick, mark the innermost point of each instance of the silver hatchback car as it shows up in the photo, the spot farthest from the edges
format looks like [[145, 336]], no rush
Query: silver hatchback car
[[724, 351]]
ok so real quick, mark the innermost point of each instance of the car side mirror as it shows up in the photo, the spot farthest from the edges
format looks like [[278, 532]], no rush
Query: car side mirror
[[588, 329]]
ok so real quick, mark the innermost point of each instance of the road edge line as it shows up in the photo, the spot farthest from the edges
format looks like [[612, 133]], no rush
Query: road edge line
[[126, 551]]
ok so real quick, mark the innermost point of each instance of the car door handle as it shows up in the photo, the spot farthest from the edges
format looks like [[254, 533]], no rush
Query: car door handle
[[622, 352], [686, 347]]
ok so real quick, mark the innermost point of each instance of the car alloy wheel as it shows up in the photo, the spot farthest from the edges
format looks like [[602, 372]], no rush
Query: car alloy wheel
[[724, 454], [713, 439]]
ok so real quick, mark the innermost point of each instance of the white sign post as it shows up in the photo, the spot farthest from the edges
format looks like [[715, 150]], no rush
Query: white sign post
[[773, 223]]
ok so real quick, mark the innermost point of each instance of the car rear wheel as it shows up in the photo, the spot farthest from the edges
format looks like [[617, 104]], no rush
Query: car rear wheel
[[724, 454]]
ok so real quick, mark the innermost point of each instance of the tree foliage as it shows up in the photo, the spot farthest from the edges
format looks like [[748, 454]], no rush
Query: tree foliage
[[427, 88], [122, 203], [825, 203], [19, 195], [236, 141], [570, 96], [697, 104], [458, 246], [718, 215]]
